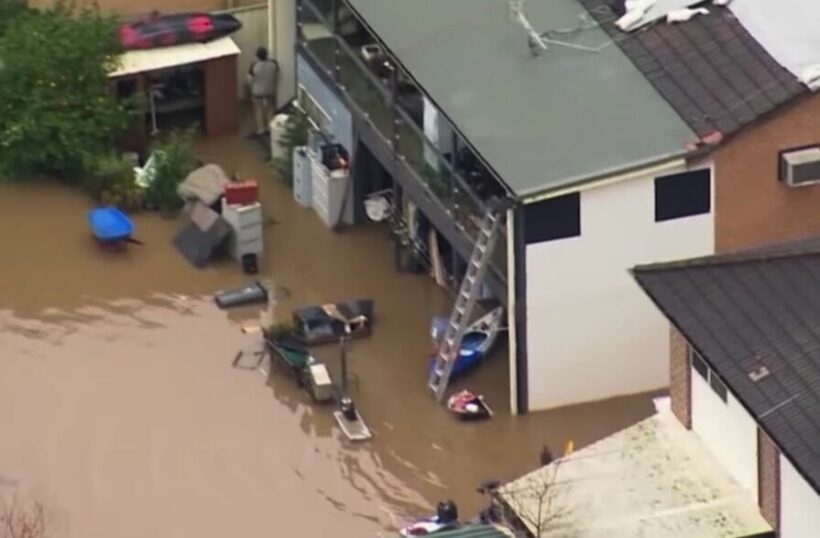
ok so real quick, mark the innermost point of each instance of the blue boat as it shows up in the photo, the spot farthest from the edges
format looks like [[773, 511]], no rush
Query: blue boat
[[110, 225], [476, 343]]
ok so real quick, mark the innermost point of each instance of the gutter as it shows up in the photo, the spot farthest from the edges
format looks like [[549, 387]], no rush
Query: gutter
[[654, 165]]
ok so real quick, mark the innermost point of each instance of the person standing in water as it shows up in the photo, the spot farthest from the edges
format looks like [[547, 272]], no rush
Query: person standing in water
[[263, 76]]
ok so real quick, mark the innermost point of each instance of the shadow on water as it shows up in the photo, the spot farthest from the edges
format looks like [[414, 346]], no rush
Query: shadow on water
[[138, 332]]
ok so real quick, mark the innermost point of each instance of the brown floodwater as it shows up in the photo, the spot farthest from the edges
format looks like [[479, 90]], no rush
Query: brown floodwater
[[121, 413]]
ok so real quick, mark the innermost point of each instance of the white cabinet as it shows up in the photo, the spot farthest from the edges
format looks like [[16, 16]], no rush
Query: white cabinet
[[302, 181], [246, 222], [328, 191]]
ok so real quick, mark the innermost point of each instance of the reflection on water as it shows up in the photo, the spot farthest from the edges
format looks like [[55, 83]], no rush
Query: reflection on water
[[121, 409]]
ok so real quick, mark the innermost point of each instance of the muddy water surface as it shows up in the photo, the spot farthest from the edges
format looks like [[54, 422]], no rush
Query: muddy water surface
[[120, 410]]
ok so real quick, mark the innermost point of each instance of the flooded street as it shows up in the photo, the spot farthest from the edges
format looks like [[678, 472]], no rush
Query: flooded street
[[121, 412]]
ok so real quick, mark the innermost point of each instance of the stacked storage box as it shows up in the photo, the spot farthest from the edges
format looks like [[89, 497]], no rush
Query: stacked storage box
[[244, 214]]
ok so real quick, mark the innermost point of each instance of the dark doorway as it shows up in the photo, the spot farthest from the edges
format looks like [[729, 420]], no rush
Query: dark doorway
[[369, 176]]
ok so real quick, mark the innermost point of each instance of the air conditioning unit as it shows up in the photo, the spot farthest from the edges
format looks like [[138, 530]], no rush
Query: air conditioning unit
[[800, 167]]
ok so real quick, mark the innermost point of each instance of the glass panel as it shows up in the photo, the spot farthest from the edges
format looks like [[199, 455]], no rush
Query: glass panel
[[315, 35], [372, 99], [413, 148]]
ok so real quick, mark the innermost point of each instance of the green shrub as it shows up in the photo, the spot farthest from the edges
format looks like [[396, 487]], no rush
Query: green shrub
[[9, 9], [295, 135], [57, 108], [174, 158], [110, 180]]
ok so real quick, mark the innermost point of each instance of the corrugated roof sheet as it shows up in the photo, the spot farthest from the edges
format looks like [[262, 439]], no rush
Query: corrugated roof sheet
[[141, 61], [710, 69], [541, 123], [476, 531], [744, 309], [655, 479]]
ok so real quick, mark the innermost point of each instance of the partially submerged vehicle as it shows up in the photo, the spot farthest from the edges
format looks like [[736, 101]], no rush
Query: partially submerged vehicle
[[329, 323]]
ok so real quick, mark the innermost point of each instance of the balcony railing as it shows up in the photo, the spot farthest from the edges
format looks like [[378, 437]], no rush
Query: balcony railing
[[378, 103]]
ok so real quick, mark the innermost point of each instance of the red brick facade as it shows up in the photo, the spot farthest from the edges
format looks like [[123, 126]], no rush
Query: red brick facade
[[680, 374], [751, 206], [768, 468]]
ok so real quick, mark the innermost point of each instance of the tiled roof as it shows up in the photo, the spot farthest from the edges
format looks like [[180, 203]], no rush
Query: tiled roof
[[750, 309], [709, 69]]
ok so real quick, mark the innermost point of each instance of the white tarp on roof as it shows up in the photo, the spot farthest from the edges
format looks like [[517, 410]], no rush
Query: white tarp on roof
[[641, 12], [141, 61], [788, 30], [655, 479]]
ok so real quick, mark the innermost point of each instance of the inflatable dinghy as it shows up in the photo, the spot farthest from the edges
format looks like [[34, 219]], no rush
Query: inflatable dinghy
[[177, 29]]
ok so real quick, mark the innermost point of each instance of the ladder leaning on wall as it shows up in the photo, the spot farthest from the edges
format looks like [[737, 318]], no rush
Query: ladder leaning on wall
[[465, 301]]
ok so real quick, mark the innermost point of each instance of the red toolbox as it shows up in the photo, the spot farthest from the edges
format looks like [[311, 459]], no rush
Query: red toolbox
[[242, 192]]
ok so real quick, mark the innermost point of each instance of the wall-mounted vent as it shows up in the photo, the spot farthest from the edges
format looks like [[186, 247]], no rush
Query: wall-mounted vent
[[800, 167]]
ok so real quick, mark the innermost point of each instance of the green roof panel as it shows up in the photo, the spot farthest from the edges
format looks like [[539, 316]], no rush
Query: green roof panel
[[544, 122]]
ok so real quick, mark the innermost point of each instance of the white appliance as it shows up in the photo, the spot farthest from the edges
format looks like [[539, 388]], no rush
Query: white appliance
[[277, 129], [302, 180], [328, 191], [800, 167], [246, 221]]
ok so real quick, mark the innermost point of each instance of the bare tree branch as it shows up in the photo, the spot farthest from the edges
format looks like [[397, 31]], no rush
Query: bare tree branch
[[21, 522]]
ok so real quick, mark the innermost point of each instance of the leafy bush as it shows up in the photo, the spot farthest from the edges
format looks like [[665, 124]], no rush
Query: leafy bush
[[174, 158], [9, 9], [295, 135], [110, 180], [56, 104]]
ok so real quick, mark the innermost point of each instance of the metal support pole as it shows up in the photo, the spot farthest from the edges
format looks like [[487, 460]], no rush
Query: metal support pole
[[343, 357]]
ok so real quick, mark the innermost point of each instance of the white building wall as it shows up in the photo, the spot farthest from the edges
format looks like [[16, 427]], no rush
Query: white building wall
[[728, 431], [591, 332], [799, 504]]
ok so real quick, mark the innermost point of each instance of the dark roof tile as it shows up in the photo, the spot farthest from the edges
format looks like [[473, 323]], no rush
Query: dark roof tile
[[759, 305], [709, 69]]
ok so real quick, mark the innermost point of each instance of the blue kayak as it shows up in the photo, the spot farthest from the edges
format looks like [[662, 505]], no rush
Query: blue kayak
[[109, 224], [476, 343]]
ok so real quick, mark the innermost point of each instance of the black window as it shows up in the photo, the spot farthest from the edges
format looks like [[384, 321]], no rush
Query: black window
[[717, 386], [698, 364], [683, 195], [555, 218]]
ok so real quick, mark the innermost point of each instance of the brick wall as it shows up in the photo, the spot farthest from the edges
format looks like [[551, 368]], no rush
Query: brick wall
[[751, 206], [680, 373], [768, 460]]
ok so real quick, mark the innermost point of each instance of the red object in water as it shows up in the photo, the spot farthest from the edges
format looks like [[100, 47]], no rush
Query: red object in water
[[177, 29], [242, 192]]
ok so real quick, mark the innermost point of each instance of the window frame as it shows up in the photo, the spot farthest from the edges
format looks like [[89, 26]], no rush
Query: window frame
[[658, 187], [721, 390], [698, 364], [534, 231]]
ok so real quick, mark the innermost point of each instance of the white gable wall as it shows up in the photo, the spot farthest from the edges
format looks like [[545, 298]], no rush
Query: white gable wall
[[728, 431], [799, 504], [591, 332]]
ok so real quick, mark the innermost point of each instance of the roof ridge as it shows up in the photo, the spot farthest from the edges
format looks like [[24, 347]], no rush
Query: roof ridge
[[772, 252]]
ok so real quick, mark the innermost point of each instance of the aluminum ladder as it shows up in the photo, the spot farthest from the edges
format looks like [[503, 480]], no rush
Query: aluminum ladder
[[463, 308]]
